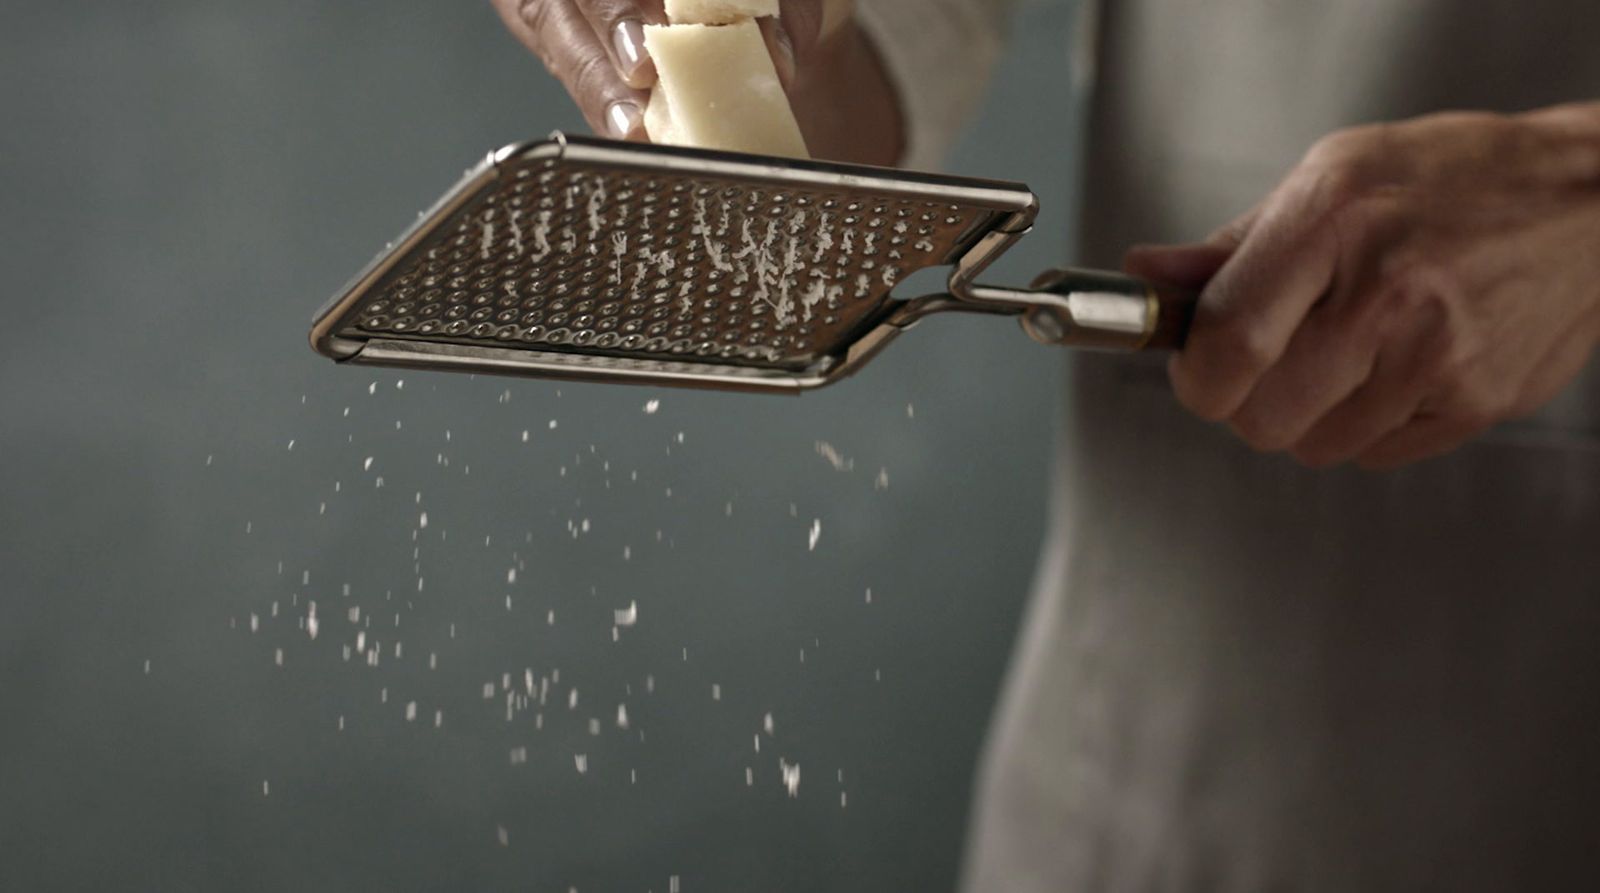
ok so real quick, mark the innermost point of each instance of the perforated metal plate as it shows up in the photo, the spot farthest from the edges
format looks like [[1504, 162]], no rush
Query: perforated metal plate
[[615, 250]]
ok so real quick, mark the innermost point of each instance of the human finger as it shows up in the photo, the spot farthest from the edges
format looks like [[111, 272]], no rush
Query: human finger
[[1192, 265], [1555, 372], [1325, 362], [1423, 438], [781, 46], [795, 33], [1376, 408], [1249, 311], [1188, 267], [1472, 407], [564, 40], [619, 26]]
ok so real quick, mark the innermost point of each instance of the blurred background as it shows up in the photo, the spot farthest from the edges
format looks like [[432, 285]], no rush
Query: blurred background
[[268, 623]]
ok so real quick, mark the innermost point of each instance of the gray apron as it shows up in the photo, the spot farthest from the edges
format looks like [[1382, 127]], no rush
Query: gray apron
[[1241, 675]]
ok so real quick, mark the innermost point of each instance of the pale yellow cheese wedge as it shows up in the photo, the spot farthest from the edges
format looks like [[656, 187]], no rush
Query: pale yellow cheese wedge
[[718, 12], [720, 91], [658, 121]]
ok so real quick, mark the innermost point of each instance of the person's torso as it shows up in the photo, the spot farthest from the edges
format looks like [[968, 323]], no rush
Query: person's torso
[[1239, 674]]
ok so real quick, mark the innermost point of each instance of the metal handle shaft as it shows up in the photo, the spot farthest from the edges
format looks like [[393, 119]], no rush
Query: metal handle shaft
[[1095, 309]]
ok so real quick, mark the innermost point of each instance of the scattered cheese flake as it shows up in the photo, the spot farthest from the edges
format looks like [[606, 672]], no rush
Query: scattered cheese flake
[[627, 616]]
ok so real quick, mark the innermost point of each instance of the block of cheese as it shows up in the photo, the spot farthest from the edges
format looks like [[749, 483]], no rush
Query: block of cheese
[[658, 119], [718, 89], [718, 12]]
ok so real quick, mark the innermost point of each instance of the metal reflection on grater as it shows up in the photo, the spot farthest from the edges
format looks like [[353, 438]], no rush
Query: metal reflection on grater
[[588, 259]]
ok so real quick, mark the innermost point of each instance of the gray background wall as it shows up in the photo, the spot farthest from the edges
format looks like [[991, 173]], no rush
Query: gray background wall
[[184, 183]]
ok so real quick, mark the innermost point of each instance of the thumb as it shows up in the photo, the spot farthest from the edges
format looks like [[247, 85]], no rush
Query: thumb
[[1191, 265], [1188, 267]]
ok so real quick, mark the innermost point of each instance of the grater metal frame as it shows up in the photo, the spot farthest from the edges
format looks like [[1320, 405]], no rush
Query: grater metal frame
[[1068, 307]]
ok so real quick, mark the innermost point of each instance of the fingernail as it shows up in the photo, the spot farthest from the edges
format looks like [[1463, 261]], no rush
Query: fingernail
[[631, 56], [623, 118], [783, 55]]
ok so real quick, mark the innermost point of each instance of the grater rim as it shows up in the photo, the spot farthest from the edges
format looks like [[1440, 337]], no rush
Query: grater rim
[[1011, 208]]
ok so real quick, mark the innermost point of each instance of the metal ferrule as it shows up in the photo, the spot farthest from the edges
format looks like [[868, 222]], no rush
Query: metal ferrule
[[1081, 308]]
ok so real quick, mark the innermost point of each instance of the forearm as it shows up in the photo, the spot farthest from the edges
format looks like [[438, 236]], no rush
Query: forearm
[[846, 104]]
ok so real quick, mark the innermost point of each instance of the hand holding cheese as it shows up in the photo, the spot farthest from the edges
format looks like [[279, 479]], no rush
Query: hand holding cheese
[[766, 76]]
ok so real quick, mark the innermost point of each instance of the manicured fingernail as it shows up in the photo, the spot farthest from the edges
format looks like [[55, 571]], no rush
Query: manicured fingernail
[[783, 55], [623, 118], [631, 55]]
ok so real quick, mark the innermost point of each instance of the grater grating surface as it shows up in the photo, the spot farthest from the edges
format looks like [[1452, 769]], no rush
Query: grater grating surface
[[603, 261], [572, 253]]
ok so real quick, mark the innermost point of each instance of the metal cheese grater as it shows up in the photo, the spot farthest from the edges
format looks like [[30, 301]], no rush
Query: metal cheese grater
[[579, 258]]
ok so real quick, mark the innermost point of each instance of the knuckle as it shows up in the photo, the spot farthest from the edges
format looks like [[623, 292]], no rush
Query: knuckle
[[1344, 164], [1265, 424], [1341, 184], [1482, 406], [1445, 368], [1206, 406], [1359, 215], [1420, 290], [590, 76], [1422, 297], [535, 15], [1421, 272], [1226, 353], [1199, 395], [1262, 435], [1327, 151], [1450, 362], [1241, 346], [1340, 144], [1355, 225], [1227, 327], [610, 12], [1360, 141]]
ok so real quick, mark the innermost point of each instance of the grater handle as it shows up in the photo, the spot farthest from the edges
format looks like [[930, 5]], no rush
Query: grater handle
[[1097, 309]]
